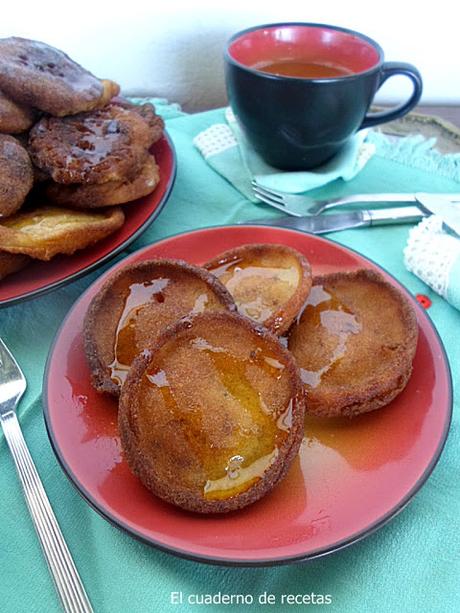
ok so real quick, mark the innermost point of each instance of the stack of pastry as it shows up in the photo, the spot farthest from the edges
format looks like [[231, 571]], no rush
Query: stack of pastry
[[215, 366], [68, 146]]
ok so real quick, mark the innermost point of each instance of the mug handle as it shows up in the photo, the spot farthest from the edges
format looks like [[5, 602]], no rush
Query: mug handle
[[388, 70]]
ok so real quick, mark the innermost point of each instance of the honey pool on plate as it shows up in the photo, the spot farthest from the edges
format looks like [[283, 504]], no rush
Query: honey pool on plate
[[382, 457]]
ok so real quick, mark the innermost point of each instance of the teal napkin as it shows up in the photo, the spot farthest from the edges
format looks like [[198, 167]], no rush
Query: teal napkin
[[227, 151]]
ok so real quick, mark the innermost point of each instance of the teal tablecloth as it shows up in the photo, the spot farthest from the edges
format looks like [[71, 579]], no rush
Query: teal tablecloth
[[411, 564]]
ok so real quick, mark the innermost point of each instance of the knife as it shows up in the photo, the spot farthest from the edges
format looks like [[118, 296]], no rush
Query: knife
[[321, 224], [444, 207]]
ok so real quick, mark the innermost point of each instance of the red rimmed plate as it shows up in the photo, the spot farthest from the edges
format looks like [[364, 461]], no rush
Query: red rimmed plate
[[350, 477], [41, 277]]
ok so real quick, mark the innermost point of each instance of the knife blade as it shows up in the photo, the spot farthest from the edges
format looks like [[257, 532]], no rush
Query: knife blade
[[445, 208], [321, 224]]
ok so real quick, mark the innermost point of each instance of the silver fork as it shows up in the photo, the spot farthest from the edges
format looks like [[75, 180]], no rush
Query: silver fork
[[300, 205], [67, 581]]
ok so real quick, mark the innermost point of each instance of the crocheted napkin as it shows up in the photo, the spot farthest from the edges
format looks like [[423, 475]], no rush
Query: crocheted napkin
[[433, 255], [227, 151]]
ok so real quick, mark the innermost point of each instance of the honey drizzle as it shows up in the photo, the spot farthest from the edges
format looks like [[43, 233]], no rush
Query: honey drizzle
[[326, 310], [232, 273], [231, 471], [125, 349], [216, 488]]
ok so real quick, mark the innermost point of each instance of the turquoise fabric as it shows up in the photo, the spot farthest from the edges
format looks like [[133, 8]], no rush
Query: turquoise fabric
[[240, 163], [410, 565], [419, 152]]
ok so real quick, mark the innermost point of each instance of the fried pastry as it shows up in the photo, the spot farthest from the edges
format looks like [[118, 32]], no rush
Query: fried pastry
[[96, 147], [91, 196], [147, 112], [16, 175], [38, 75], [40, 176], [14, 117], [354, 343], [212, 415], [134, 306], [12, 262], [46, 231], [268, 282]]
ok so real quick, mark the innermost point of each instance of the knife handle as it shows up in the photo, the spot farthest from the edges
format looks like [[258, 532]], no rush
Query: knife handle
[[395, 215]]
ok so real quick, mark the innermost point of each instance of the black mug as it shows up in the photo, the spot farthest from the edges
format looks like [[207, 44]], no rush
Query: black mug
[[300, 90]]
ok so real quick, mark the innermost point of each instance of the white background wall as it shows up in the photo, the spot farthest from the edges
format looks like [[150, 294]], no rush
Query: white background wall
[[173, 48]]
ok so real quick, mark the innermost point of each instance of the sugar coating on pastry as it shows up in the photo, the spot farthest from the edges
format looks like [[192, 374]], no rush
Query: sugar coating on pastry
[[14, 117], [96, 195], [43, 77], [46, 231], [212, 415], [135, 305], [16, 175], [110, 144], [354, 343], [269, 282]]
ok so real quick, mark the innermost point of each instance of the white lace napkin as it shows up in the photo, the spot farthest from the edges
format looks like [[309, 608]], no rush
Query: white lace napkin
[[433, 255]]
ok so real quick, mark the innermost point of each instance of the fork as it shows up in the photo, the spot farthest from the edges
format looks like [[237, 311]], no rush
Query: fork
[[67, 581], [300, 205]]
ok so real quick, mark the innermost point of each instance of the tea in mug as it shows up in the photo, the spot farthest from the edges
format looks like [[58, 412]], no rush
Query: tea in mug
[[300, 90], [306, 70]]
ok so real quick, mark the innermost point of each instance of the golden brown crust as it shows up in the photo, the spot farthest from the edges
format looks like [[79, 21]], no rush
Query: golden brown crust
[[14, 117], [91, 196], [16, 175], [188, 284], [38, 75], [362, 362], [174, 455], [110, 89], [154, 122], [273, 300], [44, 232], [96, 147], [12, 262]]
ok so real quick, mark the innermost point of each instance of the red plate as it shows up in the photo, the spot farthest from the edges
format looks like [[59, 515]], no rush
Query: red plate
[[41, 277], [348, 480]]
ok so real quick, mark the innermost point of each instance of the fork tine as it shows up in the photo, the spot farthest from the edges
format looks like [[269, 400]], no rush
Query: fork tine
[[267, 192], [276, 204], [270, 201], [267, 197], [10, 371]]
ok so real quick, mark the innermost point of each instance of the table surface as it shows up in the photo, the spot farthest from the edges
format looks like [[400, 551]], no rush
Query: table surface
[[409, 565], [449, 113]]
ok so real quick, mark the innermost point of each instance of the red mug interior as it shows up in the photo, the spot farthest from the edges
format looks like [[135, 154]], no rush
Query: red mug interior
[[315, 44]]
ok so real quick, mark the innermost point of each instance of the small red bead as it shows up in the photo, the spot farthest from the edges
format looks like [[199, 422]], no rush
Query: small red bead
[[424, 300]]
